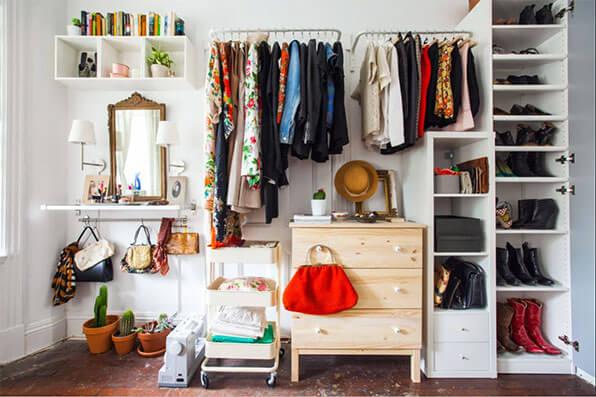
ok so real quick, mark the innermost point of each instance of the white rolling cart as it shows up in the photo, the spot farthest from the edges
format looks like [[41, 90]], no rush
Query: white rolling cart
[[257, 253]]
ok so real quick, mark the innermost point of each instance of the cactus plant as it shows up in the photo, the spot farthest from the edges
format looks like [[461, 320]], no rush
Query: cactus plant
[[319, 195], [127, 323], [101, 307]]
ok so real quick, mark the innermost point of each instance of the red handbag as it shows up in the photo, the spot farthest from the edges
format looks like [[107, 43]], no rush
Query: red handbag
[[319, 288]]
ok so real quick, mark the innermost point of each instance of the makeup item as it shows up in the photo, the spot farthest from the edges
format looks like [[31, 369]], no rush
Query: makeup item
[[119, 70]]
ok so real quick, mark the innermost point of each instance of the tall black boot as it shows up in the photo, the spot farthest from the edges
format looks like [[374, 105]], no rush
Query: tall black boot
[[503, 270], [533, 266], [517, 267], [525, 212], [519, 164], [545, 215], [537, 163]]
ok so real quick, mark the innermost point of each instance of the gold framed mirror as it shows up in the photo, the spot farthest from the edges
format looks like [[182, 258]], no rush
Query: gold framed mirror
[[137, 163]]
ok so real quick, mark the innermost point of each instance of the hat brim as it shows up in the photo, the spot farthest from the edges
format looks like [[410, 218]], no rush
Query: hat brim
[[372, 177]]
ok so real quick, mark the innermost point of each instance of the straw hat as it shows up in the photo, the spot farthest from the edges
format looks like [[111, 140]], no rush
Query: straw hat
[[356, 181]]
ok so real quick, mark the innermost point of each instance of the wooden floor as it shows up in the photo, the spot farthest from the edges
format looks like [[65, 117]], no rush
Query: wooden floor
[[68, 369]]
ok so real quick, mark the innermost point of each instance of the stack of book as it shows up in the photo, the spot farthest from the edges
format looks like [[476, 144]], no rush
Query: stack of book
[[120, 23], [312, 219]]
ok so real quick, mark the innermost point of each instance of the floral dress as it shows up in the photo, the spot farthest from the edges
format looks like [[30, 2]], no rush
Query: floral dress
[[214, 108], [228, 105], [444, 95], [284, 63], [251, 163]]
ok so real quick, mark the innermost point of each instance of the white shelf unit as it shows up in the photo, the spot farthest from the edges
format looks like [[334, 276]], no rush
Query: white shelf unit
[[108, 207], [553, 245], [458, 343], [131, 51]]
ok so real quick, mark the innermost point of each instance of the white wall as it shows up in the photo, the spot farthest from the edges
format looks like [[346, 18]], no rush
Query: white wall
[[148, 295]]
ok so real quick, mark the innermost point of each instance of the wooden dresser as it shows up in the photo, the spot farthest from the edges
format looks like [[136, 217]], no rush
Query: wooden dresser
[[384, 262]]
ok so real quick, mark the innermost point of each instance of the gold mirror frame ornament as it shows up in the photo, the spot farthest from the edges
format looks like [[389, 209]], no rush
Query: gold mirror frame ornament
[[389, 212], [137, 102]]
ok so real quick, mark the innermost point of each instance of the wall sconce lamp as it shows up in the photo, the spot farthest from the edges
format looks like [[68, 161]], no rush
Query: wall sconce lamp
[[83, 132], [167, 134]]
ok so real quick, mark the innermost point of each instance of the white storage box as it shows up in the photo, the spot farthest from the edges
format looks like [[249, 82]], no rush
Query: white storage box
[[244, 351], [216, 297]]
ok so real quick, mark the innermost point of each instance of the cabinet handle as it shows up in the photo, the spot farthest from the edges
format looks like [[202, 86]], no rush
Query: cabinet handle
[[397, 330], [318, 331], [397, 289], [397, 248], [463, 329], [461, 356]]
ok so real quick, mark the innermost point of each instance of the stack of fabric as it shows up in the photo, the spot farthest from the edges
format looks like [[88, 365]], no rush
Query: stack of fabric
[[239, 325]]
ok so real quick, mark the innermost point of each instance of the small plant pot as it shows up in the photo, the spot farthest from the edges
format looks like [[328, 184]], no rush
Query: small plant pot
[[72, 30], [99, 340], [319, 207], [153, 342], [159, 71], [124, 344]]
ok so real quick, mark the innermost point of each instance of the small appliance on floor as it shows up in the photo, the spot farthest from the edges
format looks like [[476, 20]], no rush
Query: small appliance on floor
[[185, 349]]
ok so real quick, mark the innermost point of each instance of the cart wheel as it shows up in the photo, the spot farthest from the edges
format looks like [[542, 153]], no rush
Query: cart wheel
[[282, 352], [204, 380], [271, 380]]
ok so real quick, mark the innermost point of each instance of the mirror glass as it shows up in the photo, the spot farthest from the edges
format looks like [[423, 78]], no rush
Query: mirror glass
[[137, 155]]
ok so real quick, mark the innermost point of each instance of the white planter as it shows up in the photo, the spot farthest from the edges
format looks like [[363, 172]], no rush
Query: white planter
[[319, 207], [72, 30], [159, 71]]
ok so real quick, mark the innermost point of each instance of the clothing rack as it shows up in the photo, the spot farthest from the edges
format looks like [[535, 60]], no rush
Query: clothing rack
[[178, 221], [215, 33], [373, 33]]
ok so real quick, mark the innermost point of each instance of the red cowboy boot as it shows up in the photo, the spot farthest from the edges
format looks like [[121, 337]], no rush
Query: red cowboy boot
[[518, 329], [534, 325]]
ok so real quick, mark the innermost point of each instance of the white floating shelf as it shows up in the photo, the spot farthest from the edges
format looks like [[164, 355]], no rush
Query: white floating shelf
[[458, 195], [522, 59], [534, 179], [531, 148], [509, 36], [530, 288], [529, 118], [531, 231], [526, 363], [441, 254], [528, 87], [143, 83], [109, 207], [527, 28]]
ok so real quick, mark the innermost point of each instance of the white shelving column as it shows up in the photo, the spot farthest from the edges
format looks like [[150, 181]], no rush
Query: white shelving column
[[553, 245]]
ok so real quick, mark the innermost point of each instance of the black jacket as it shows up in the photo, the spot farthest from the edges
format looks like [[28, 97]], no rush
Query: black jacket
[[338, 135], [320, 147], [300, 148], [473, 87]]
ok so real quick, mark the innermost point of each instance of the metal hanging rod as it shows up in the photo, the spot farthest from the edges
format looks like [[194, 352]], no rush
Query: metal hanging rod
[[214, 33], [391, 32], [183, 220]]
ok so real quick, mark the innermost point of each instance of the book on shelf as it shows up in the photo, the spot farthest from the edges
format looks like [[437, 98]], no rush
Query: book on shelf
[[315, 219], [120, 23]]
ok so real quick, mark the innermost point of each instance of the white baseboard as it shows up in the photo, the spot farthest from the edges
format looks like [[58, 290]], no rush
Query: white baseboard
[[42, 334], [12, 345], [585, 376], [74, 322]]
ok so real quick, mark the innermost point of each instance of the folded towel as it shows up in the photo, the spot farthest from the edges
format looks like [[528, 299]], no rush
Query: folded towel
[[246, 316], [267, 338], [250, 284]]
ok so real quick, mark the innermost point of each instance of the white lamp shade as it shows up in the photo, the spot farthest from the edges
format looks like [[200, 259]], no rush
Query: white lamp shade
[[167, 133], [82, 131]]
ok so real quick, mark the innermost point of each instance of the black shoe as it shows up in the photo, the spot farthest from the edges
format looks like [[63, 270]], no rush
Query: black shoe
[[533, 266], [527, 16], [532, 110], [504, 138], [537, 163], [546, 134], [526, 136], [517, 267], [544, 16], [524, 79], [503, 270], [517, 110], [519, 164], [545, 215], [525, 212]]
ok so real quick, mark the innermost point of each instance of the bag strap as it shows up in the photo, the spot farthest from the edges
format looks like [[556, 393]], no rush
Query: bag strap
[[147, 234], [318, 248], [83, 233]]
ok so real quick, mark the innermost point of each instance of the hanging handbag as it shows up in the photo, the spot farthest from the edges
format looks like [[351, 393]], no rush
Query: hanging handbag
[[320, 288], [64, 282], [139, 257], [467, 286], [183, 243], [94, 262]]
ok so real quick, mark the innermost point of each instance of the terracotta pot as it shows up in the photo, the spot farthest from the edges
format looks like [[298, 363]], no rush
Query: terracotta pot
[[99, 340], [124, 344], [159, 71], [153, 342]]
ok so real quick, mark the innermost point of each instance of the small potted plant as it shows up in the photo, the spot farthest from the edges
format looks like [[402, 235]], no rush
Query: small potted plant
[[319, 203], [125, 337], [100, 328], [152, 336], [160, 62], [74, 29]]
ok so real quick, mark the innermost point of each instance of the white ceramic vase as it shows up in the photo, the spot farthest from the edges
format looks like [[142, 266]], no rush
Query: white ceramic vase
[[159, 71], [72, 30], [319, 207]]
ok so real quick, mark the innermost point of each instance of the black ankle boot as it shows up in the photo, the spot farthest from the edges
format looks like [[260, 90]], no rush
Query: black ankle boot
[[537, 163], [527, 16], [544, 16], [546, 134], [519, 164], [525, 212], [503, 270], [517, 267], [504, 138], [545, 215], [533, 266], [526, 136]]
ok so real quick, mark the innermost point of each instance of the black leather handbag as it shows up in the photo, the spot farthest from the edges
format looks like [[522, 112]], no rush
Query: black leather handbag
[[467, 286], [102, 271]]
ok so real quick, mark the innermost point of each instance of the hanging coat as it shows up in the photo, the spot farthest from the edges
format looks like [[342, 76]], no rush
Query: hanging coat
[[320, 147], [338, 134]]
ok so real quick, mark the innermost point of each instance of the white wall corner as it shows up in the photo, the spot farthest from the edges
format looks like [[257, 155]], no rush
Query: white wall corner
[[13, 343], [585, 376], [41, 334]]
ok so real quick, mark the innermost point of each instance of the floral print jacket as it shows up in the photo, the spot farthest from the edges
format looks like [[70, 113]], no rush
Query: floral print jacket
[[214, 108], [251, 162]]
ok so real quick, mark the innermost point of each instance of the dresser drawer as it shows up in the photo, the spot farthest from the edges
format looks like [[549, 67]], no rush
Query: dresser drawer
[[464, 327], [362, 248], [387, 288], [359, 329], [461, 356]]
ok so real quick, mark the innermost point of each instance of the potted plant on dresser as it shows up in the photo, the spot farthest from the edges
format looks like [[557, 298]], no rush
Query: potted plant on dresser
[[160, 62], [100, 328], [125, 336], [152, 336], [319, 203]]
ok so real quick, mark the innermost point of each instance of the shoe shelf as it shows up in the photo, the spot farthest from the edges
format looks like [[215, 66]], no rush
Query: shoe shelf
[[525, 363], [533, 288], [531, 148], [534, 179], [528, 87], [526, 118], [531, 231], [442, 254], [524, 59], [460, 195]]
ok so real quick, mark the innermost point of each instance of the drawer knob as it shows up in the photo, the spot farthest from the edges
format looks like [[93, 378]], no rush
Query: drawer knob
[[462, 357], [318, 331], [397, 248], [463, 329], [397, 289], [397, 330]]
